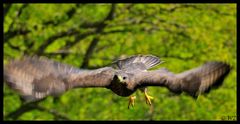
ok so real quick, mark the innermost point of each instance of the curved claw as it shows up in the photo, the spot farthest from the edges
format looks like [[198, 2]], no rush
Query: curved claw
[[131, 101], [148, 98]]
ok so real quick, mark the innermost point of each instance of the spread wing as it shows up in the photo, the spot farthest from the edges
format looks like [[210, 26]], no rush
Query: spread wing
[[137, 62], [35, 78], [194, 81]]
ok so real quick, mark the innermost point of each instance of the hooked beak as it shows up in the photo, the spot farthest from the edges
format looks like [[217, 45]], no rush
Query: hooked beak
[[121, 80]]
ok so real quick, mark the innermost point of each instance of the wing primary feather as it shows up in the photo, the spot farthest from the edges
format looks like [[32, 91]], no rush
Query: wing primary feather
[[143, 62], [210, 75], [194, 81], [37, 77]]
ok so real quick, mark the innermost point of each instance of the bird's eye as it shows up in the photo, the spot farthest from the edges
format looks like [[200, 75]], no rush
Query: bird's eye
[[124, 78]]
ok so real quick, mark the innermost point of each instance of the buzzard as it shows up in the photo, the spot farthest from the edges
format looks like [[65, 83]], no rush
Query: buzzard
[[37, 77]]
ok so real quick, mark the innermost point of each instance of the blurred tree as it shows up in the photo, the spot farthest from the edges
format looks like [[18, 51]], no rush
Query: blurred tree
[[93, 35]]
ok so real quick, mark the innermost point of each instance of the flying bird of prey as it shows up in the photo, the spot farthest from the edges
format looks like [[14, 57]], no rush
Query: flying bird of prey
[[37, 77]]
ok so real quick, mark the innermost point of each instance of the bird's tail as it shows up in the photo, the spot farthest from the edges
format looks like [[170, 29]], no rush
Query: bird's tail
[[202, 79]]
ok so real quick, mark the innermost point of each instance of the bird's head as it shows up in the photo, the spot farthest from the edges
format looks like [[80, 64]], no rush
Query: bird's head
[[122, 83], [122, 78], [125, 79]]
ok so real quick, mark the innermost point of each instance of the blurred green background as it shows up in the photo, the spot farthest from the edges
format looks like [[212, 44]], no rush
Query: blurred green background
[[94, 35]]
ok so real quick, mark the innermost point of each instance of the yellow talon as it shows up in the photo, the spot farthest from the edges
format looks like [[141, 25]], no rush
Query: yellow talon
[[148, 98], [131, 101]]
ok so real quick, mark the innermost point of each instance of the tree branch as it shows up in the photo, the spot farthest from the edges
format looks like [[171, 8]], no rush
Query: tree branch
[[70, 13], [77, 39], [22, 109], [89, 52], [51, 39], [14, 47], [26, 107], [72, 31], [53, 112], [11, 33], [6, 9], [94, 42]]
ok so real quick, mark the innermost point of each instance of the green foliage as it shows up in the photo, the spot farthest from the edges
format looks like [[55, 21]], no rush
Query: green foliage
[[183, 35]]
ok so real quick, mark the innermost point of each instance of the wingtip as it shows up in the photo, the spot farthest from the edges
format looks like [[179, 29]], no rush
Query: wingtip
[[213, 71]]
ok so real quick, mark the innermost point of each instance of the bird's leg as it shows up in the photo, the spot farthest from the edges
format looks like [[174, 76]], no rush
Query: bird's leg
[[147, 97], [131, 101]]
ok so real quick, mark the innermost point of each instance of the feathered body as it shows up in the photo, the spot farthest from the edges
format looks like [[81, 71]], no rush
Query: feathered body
[[37, 77], [128, 67]]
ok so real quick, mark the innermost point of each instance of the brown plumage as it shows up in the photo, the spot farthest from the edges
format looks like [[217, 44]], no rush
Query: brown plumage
[[37, 77], [194, 81]]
